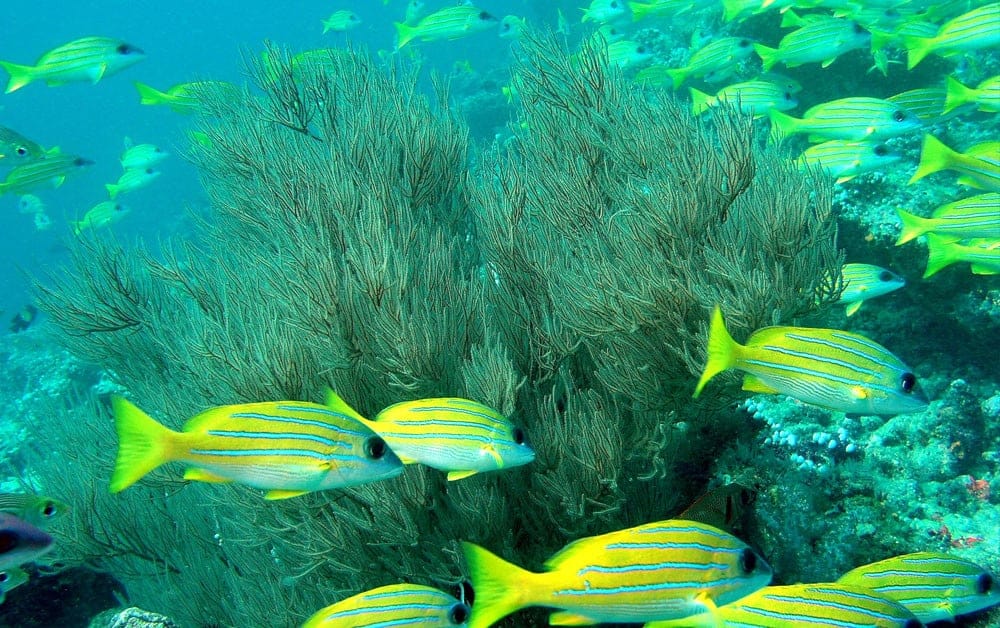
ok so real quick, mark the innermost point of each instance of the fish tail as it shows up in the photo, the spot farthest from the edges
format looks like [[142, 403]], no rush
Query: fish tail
[[913, 226], [955, 94], [498, 585], [112, 190], [20, 75], [150, 95], [678, 76], [782, 124], [916, 49], [934, 156], [939, 254], [405, 33], [769, 56], [721, 350], [143, 444], [327, 25], [700, 101], [639, 10], [730, 9]]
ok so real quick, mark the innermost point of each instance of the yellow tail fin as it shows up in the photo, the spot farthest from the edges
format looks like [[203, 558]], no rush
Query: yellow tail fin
[[721, 350], [143, 444], [499, 586], [913, 226], [20, 75], [934, 156], [150, 95]]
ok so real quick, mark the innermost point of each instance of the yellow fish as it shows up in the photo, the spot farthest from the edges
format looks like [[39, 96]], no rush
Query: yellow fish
[[84, 59]]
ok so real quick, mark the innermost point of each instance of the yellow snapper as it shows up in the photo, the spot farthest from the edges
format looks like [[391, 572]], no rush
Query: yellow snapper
[[976, 30], [829, 368], [626, 53], [341, 21], [604, 11], [287, 448], [663, 570], [934, 586], [448, 23], [866, 281], [37, 510], [817, 41], [140, 156], [450, 434], [131, 180], [101, 215], [979, 165], [927, 103], [20, 542], [852, 118], [845, 159], [184, 97], [974, 217], [826, 605], [10, 579], [512, 27], [659, 8], [983, 254], [16, 148], [986, 95], [715, 59], [754, 98], [397, 605], [49, 172], [85, 59]]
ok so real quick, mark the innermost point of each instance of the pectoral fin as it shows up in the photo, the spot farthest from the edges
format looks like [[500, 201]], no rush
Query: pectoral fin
[[98, 72], [751, 383], [853, 307]]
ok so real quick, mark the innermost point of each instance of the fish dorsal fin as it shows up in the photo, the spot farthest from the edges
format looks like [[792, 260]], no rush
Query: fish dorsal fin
[[570, 552], [201, 475], [751, 383], [282, 494], [335, 403]]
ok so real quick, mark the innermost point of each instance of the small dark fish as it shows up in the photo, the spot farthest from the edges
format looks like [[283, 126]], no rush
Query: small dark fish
[[722, 507], [24, 319], [20, 542]]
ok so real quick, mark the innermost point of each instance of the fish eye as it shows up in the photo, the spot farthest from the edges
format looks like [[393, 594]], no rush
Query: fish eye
[[640, 49], [881, 151], [4, 577], [744, 43], [748, 561], [458, 614], [149, 171], [49, 510], [858, 29], [21, 151], [908, 381], [984, 583], [613, 4], [518, 435], [898, 115], [126, 49], [375, 448], [485, 16], [885, 276]]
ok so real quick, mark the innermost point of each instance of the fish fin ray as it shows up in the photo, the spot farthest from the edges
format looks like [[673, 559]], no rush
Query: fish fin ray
[[501, 587], [143, 444], [721, 350], [457, 475]]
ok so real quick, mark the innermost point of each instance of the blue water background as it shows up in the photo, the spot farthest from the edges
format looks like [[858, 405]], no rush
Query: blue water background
[[184, 41]]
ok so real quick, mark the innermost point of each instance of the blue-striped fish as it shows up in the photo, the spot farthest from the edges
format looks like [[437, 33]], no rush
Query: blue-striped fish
[[866, 281], [141, 155], [826, 605], [84, 59], [42, 173], [854, 118], [131, 180], [448, 23], [185, 97], [976, 30], [716, 57], [284, 447], [985, 96], [974, 217], [663, 570], [983, 254], [829, 368], [341, 21], [845, 159], [20, 542], [397, 605], [37, 510], [818, 41], [979, 165], [934, 586], [459, 436], [103, 214], [754, 98], [927, 103], [10, 579]]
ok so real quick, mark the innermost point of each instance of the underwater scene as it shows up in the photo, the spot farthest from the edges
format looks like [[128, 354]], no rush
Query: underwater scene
[[463, 314]]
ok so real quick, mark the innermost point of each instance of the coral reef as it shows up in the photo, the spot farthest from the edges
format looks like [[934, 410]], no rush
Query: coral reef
[[564, 277]]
